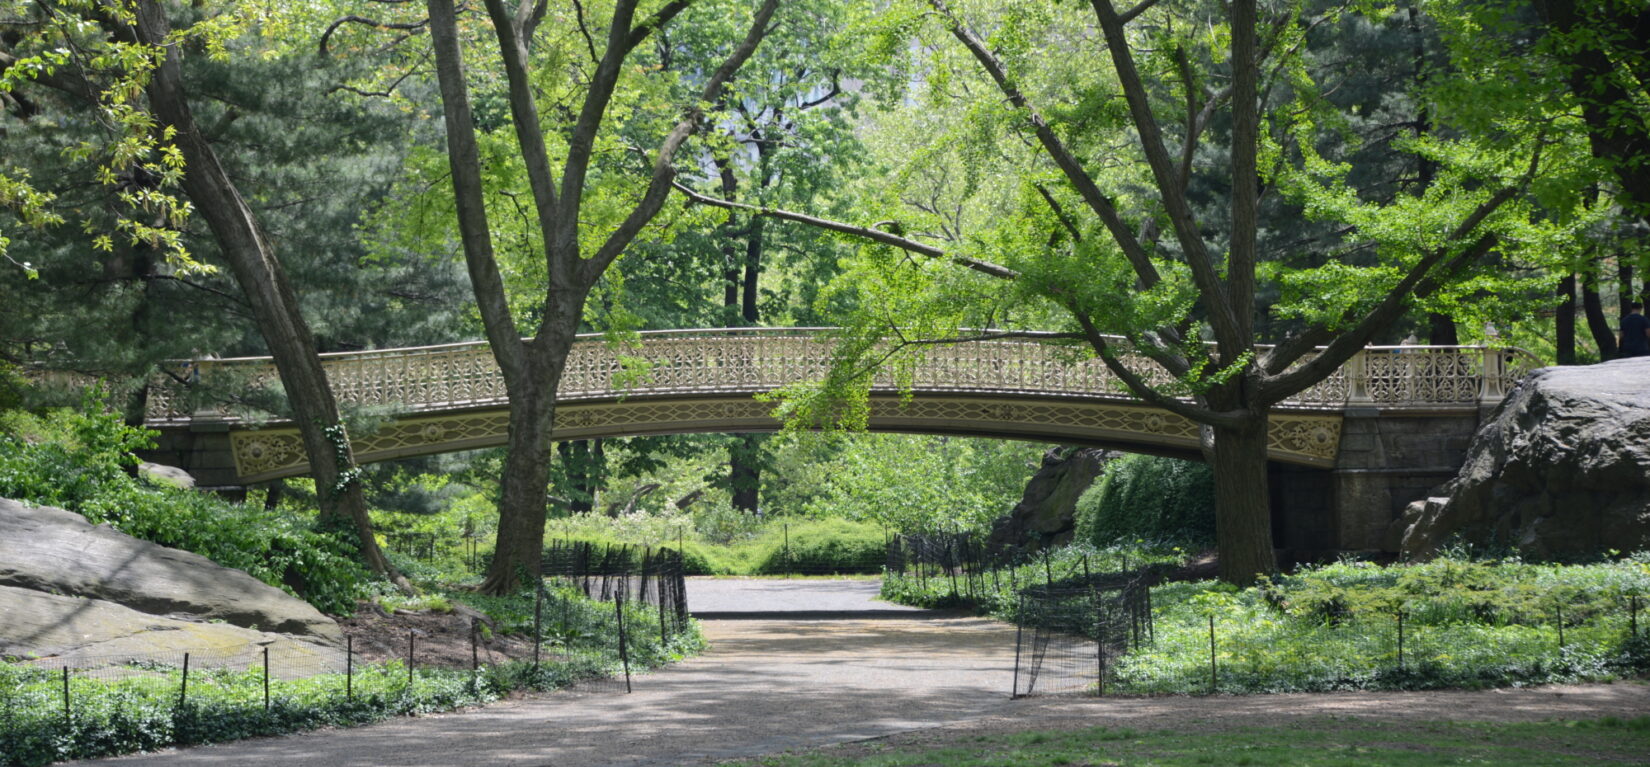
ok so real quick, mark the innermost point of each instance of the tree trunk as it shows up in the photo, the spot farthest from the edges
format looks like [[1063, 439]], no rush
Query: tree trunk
[[1441, 331], [1625, 273], [273, 302], [524, 494], [1243, 514], [1564, 321], [1597, 323], [745, 473]]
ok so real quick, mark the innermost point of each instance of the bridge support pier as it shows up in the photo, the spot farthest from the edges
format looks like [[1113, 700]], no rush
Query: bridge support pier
[[1387, 459]]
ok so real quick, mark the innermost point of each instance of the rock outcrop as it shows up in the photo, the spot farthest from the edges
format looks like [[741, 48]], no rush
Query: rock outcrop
[[44, 549], [77, 631], [1561, 468], [1047, 514]]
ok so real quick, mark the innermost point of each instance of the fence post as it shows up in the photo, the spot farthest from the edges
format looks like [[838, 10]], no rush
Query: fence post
[[266, 680], [349, 668], [1214, 674], [409, 660], [1099, 643], [788, 566], [1019, 633], [624, 654], [1400, 640], [68, 713], [475, 656], [183, 689], [1558, 607], [1633, 614], [538, 625]]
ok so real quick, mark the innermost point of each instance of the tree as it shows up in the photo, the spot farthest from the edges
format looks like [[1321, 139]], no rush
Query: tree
[[575, 255], [264, 281], [161, 147], [1144, 188]]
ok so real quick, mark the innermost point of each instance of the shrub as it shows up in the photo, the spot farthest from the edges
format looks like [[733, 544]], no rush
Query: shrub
[[821, 546], [1151, 498], [77, 460]]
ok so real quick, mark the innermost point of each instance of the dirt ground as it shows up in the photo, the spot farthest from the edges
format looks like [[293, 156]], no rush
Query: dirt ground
[[769, 685], [438, 639]]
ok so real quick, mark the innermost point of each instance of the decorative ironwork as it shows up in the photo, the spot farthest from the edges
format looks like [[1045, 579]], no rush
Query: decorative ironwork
[[747, 361], [453, 398], [1306, 438]]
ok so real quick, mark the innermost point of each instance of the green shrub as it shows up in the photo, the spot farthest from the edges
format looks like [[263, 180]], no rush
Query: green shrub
[[77, 460], [1151, 498], [821, 546]]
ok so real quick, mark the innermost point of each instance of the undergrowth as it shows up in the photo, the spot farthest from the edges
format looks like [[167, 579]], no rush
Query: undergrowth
[[141, 712]]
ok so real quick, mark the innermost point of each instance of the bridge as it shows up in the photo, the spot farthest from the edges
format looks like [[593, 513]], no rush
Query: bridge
[[1376, 434]]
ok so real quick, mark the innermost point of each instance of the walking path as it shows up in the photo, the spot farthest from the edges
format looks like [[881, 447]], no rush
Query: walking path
[[769, 685]]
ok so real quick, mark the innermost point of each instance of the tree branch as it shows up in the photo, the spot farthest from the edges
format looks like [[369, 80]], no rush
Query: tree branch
[[323, 49], [1144, 391], [465, 164], [1276, 388], [1221, 315], [874, 235], [1056, 149], [664, 167]]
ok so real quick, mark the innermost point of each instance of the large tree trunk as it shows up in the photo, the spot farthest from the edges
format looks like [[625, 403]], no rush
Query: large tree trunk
[[1564, 321], [274, 304], [1597, 323], [1441, 331], [523, 497], [1243, 515], [1625, 273]]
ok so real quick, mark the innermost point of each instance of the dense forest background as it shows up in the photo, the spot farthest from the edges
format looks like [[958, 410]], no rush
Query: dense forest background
[[184, 180]]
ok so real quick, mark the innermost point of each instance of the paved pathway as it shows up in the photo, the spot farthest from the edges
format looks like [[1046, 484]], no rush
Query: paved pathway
[[769, 685], [788, 598], [764, 685]]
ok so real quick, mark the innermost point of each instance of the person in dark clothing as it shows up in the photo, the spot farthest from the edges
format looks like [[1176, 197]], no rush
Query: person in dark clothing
[[1635, 332]]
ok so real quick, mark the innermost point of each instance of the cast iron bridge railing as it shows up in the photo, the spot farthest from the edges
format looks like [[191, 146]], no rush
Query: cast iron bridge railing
[[689, 363]]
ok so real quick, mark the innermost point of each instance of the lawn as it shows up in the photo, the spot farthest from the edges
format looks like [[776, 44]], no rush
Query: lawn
[[1317, 742]]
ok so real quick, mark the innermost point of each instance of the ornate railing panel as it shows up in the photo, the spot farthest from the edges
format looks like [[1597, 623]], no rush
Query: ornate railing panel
[[701, 362]]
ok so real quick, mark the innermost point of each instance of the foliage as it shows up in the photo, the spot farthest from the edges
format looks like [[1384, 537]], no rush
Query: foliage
[[1466, 623], [1144, 496], [77, 460], [141, 713], [997, 593], [772, 546]]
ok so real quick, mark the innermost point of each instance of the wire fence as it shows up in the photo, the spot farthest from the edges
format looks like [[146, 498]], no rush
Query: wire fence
[[1108, 639]]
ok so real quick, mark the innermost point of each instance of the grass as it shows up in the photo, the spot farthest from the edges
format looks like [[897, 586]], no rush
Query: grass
[[1317, 742]]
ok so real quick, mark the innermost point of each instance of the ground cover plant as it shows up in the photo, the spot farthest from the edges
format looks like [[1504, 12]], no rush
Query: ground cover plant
[[78, 459], [137, 707], [1451, 622], [1464, 623], [1320, 743]]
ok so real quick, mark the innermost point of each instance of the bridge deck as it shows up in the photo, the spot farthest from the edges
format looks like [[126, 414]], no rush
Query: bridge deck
[[452, 397]]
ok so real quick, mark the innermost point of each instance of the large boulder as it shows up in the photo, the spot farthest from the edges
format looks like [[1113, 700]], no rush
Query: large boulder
[[58, 552], [1047, 514], [1561, 468], [59, 630]]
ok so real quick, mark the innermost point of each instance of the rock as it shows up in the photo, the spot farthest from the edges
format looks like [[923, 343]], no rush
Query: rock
[[59, 552], [84, 632], [1046, 514], [161, 474], [1561, 468]]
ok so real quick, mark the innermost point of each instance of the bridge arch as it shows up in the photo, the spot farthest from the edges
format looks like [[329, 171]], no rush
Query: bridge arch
[[449, 398]]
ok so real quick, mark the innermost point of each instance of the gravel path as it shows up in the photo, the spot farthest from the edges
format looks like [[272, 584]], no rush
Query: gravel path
[[769, 685]]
